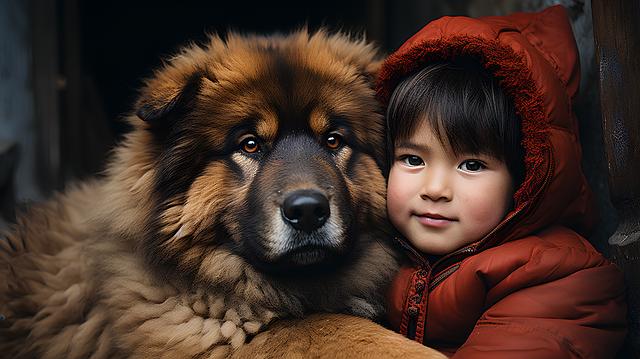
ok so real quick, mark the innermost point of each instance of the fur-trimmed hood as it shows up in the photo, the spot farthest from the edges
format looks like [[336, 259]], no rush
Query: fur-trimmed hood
[[535, 58], [532, 288]]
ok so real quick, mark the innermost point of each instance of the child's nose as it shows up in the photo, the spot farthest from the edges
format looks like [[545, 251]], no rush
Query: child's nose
[[436, 186]]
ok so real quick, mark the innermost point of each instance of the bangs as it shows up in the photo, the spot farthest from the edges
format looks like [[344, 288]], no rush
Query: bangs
[[463, 104], [466, 108]]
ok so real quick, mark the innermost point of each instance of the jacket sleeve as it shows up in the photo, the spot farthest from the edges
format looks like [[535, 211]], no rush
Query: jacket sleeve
[[546, 309]]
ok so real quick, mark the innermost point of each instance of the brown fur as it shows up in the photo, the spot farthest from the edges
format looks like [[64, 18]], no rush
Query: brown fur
[[180, 250], [332, 336]]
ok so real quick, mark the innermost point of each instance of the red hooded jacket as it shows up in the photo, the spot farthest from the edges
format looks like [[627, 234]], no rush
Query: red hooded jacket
[[533, 287]]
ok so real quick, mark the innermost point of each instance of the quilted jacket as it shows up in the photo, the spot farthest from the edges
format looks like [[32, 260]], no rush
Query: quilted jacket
[[533, 287]]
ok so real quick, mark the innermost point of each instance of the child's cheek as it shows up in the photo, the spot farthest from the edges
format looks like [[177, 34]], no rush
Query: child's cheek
[[396, 196]]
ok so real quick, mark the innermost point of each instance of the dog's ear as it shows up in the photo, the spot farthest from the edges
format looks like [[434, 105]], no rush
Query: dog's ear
[[163, 102], [370, 71], [365, 57]]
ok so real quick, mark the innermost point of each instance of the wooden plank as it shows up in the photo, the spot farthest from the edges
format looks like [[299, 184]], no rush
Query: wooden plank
[[8, 163], [376, 22], [44, 39], [85, 136], [617, 39], [73, 125]]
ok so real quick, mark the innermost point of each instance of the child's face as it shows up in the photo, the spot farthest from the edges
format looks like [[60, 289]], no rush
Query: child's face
[[441, 202]]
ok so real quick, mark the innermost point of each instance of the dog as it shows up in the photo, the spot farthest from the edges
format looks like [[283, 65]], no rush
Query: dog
[[250, 188]]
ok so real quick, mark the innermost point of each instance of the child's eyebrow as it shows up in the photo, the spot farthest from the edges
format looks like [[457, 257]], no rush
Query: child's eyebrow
[[411, 146]]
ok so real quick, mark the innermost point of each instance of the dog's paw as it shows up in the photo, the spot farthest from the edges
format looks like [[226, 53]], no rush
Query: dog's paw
[[242, 323]]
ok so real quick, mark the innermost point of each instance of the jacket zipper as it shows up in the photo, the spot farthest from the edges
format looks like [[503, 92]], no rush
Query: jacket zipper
[[412, 327]]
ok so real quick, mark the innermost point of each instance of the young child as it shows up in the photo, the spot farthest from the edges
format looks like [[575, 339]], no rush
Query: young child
[[486, 189]]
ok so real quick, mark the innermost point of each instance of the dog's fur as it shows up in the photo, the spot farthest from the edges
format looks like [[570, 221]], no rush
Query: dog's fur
[[182, 249], [332, 336]]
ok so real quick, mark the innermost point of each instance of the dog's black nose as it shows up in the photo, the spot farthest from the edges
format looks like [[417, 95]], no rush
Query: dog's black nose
[[306, 210]]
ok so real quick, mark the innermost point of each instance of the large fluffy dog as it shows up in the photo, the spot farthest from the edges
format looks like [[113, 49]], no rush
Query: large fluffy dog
[[249, 189]]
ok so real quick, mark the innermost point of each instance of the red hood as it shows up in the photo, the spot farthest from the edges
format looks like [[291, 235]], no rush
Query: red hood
[[535, 58]]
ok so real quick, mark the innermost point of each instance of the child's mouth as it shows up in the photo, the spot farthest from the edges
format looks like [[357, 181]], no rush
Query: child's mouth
[[433, 220]]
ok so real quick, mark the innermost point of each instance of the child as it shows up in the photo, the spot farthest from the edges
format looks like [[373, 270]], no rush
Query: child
[[486, 188]]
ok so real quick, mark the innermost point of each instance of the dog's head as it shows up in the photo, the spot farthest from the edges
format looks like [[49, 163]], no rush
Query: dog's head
[[264, 149]]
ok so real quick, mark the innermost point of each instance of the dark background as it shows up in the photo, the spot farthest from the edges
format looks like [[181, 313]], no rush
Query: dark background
[[122, 42]]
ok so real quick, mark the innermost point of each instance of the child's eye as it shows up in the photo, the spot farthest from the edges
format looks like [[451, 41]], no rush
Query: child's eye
[[472, 166], [412, 161]]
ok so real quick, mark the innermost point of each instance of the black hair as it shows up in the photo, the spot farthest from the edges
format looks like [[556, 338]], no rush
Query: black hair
[[466, 107]]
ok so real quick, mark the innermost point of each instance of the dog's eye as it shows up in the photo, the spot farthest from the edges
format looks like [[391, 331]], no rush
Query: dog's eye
[[250, 144], [333, 141]]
